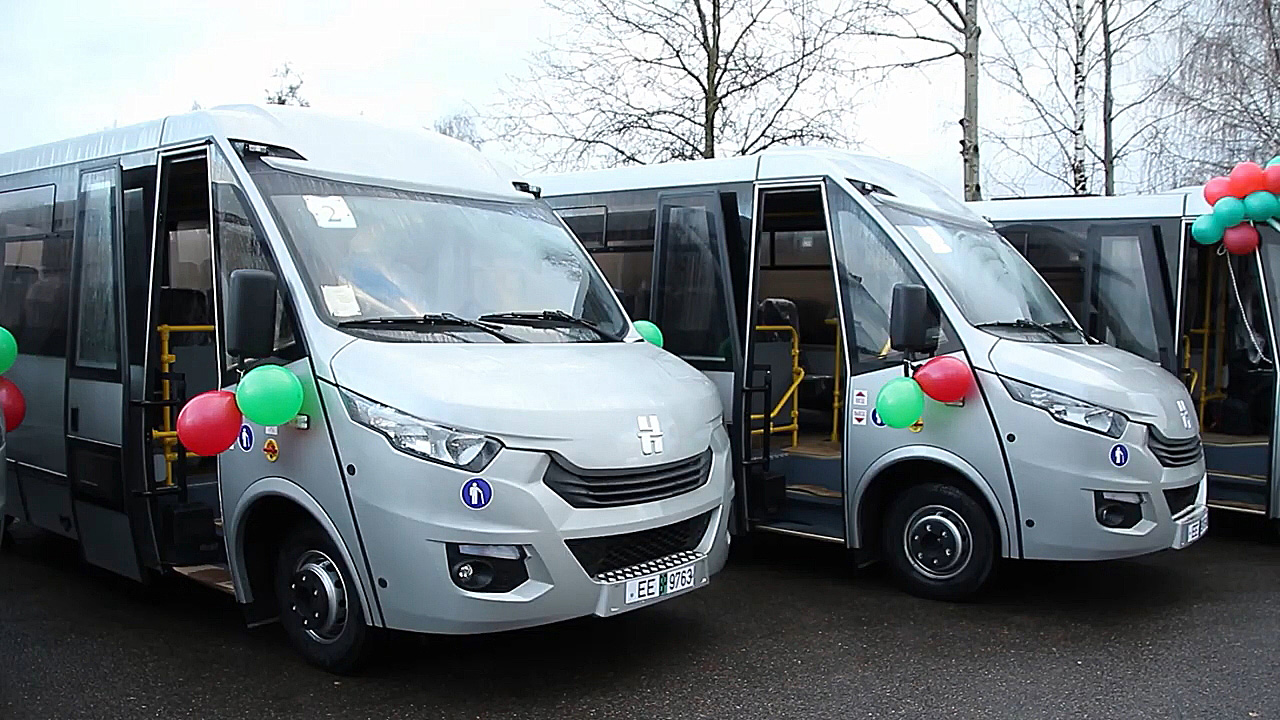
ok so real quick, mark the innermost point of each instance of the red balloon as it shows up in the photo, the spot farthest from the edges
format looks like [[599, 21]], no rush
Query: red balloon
[[15, 406], [1217, 188], [1272, 176], [1247, 177], [1241, 239], [209, 423], [946, 379]]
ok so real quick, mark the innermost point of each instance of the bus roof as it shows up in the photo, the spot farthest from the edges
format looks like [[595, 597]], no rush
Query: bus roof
[[1173, 203], [904, 183], [346, 148]]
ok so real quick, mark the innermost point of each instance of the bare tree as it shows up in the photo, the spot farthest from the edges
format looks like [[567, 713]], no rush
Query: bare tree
[[1224, 93], [959, 37], [288, 89], [1080, 70], [639, 81], [459, 126]]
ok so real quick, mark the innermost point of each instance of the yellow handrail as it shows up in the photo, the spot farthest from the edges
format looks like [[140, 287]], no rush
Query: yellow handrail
[[835, 388], [168, 437], [797, 375]]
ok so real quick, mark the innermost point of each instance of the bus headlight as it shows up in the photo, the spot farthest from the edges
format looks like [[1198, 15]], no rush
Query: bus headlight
[[1069, 410], [421, 438]]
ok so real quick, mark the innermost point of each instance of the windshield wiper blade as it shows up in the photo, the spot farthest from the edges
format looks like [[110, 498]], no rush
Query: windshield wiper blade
[[432, 320], [1049, 329], [549, 318]]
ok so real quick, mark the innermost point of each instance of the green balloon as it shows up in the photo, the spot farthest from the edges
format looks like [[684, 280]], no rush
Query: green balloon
[[269, 395], [8, 350], [1229, 211], [649, 332], [1274, 161], [1207, 229], [900, 402], [1259, 206]]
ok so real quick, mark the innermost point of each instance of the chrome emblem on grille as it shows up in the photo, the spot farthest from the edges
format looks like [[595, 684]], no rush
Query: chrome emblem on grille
[[650, 434], [1185, 413]]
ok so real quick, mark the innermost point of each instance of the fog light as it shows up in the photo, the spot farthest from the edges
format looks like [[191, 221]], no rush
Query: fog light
[[1117, 510], [1111, 515], [472, 574]]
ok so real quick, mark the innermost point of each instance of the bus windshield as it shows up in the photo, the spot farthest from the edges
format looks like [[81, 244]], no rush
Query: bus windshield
[[413, 266], [995, 287]]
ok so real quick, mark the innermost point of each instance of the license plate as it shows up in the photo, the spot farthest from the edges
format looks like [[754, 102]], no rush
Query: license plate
[[1194, 530], [659, 584]]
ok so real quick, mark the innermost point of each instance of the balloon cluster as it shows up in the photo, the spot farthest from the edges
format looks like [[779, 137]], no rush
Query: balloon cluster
[[14, 404], [945, 379], [210, 422], [1248, 195]]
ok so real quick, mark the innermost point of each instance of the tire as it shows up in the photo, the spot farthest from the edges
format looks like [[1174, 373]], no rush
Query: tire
[[949, 537], [333, 637]]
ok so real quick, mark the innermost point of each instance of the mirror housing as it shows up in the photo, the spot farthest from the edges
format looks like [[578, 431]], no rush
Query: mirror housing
[[915, 323], [251, 314]]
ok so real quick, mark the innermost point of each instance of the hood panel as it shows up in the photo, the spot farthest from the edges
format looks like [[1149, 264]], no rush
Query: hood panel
[[583, 401], [1105, 376]]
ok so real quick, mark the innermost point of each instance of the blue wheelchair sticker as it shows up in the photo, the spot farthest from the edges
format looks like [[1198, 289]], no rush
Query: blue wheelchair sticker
[[875, 419], [476, 493], [246, 438], [1119, 455]]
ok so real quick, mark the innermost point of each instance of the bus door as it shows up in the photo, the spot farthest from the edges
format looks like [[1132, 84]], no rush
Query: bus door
[[182, 360], [1227, 356], [97, 378], [791, 408]]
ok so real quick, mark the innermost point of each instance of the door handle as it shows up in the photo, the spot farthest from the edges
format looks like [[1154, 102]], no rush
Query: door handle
[[75, 419]]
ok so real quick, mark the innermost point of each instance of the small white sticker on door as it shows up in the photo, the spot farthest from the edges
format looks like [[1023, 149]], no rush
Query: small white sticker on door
[[330, 211], [859, 396], [341, 300], [859, 417]]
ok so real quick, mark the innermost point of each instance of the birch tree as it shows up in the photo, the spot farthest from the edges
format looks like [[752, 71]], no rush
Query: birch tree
[[642, 81], [459, 126], [288, 89]]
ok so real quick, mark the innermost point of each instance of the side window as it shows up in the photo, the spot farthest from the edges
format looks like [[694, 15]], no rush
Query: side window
[[1060, 255], [870, 268], [35, 283], [621, 243], [629, 273], [241, 246], [588, 223], [691, 304], [98, 336]]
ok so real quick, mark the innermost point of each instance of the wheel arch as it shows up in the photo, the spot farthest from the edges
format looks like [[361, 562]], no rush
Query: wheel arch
[[264, 513], [904, 464]]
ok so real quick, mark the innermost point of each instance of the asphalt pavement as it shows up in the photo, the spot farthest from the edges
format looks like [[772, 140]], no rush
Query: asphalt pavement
[[788, 630]]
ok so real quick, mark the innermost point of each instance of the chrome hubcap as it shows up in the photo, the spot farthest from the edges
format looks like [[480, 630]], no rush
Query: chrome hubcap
[[318, 596], [937, 542]]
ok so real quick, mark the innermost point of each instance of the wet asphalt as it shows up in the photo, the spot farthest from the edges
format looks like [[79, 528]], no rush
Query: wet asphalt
[[788, 630]]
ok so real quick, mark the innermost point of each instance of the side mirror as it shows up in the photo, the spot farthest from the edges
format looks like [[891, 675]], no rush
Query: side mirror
[[915, 323], [251, 314]]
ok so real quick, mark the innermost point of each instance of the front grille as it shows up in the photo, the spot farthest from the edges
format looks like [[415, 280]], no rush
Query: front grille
[[1174, 453], [1180, 499], [602, 555], [653, 566], [612, 488]]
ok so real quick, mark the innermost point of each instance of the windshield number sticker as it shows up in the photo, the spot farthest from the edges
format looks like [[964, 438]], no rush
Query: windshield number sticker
[[330, 211], [341, 300]]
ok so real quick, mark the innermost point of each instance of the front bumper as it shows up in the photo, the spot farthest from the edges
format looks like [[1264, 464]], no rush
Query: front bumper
[[411, 513]]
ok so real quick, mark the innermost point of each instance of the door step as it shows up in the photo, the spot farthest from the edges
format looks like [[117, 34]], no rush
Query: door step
[[214, 576]]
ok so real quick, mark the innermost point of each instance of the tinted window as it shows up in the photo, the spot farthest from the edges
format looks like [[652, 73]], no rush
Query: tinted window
[[630, 273], [587, 223], [98, 341], [34, 298], [691, 305], [27, 212]]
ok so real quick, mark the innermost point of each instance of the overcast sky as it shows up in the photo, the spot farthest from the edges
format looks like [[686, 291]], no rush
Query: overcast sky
[[68, 67]]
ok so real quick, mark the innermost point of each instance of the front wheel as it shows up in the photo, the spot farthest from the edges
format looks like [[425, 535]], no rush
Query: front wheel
[[939, 542], [319, 602]]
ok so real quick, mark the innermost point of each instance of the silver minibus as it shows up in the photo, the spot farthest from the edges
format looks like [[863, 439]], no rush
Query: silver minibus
[[484, 440], [807, 283]]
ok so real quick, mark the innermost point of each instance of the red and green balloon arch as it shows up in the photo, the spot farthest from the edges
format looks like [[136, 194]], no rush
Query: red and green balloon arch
[[1239, 201]]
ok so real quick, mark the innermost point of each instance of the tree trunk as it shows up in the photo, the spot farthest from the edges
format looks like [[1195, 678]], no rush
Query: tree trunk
[[1108, 105], [712, 45], [1079, 180], [969, 124]]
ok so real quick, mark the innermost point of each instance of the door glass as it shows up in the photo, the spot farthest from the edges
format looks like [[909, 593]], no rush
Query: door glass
[[97, 341], [692, 305], [1125, 304]]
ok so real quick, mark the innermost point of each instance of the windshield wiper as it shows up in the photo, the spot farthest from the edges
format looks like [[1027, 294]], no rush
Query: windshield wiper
[[432, 320], [548, 318], [1049, 329]]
